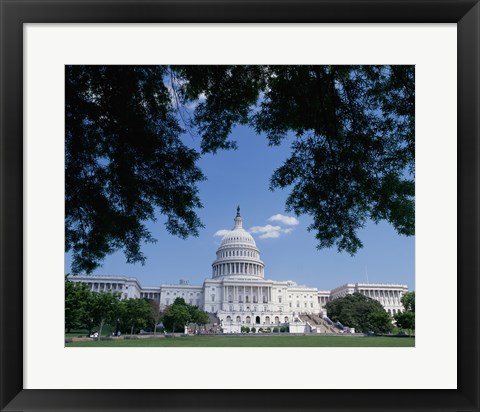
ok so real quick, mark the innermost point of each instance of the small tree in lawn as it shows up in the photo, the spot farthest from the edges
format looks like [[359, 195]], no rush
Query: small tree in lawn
[[176, 317], [136, 313], [155, 314], [77, 297], [104, 308], [197, 315], [406, 319]]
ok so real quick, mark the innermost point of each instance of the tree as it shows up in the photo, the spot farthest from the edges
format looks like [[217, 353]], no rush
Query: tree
[[406, 319], [77, 297], [176, 317], [179, 314], [155, 314], [104, 308], [352, 148], [135, 313], [408, 301], [197, 315], [124, 162], [360, 312]]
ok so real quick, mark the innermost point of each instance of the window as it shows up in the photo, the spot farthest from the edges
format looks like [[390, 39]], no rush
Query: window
[[247, 320], [238, 319], [229, 319], [277, 319], [267, 320], [213, 298], [279, 299]]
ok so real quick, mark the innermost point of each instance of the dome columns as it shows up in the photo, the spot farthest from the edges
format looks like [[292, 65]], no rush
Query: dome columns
[[238, 268]]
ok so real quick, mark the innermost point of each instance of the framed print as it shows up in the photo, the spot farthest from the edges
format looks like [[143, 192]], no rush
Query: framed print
[[37, 373]]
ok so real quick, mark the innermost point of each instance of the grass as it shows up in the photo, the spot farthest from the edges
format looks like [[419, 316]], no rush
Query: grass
[[106, 331], [254, 341]]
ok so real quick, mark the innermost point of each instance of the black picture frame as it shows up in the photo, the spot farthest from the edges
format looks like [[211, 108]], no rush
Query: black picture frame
[[14, 13]]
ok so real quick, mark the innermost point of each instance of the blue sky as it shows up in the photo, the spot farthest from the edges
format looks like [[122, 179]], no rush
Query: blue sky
[[241, 177]]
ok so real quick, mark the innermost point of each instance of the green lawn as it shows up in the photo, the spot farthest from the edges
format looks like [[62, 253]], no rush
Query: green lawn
[[254, 341]]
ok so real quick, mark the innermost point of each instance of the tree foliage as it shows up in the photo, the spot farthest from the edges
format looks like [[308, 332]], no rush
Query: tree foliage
[[104, 308], [135, 314], [179, 314], [360, 312], [155, 315], [406, 319], [77, 300], [408, 301], [353, 152], [351, 130], [124, 163]]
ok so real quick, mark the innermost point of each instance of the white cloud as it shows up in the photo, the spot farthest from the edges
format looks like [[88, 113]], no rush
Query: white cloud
[[221, 232], [269, 231], [286, 220]]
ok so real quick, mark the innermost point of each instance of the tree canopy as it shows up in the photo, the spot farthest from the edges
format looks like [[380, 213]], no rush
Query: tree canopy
[[360, 312], [179, 314], [352, 148], [406, 319], [77, 302]]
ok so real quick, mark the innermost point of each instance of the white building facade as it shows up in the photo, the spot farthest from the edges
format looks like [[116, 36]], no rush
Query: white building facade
[[238, 292]]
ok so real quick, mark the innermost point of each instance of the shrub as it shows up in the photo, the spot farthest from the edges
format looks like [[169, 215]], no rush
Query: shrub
[[253, 329], [282, 329], [247, 329], [275, 330], [260, 330]]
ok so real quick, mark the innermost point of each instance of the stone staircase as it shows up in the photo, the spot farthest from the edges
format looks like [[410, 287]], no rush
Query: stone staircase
[[213, 325], [320, 324]]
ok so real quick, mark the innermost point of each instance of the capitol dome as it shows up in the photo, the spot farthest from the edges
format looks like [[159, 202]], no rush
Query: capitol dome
[[238, 254]]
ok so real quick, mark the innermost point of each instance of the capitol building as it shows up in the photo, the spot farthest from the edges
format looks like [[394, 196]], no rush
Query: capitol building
[[238, 293]]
